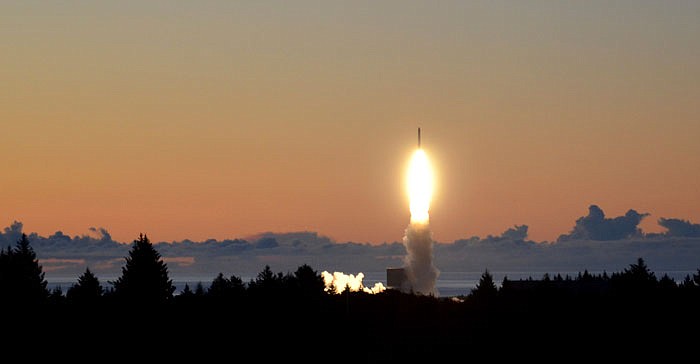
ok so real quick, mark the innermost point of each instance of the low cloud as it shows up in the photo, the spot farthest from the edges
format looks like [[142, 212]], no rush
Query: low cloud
[[57, 264], [111, 265], [595, 226], [101, 233], [518, 232], [181, 261], [11, 234], [680, 228], [596, 242]]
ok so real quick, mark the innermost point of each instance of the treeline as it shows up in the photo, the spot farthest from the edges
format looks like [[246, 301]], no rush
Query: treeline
[[633, 282], [144, 280], [296, 309]]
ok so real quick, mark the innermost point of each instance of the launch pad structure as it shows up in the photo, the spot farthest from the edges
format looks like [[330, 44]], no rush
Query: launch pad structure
[[396, 278]]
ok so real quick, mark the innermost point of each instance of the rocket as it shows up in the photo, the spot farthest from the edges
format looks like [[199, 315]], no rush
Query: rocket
[[418, 138]]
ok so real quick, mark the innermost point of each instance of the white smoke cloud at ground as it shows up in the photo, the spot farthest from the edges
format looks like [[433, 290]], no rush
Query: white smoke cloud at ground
[[421, 274], [339, 282]]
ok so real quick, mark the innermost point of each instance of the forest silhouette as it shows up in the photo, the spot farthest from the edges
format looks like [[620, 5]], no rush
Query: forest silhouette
[[295, 315]]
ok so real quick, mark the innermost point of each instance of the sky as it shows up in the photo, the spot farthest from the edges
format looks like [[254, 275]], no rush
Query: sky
[[221, 119]]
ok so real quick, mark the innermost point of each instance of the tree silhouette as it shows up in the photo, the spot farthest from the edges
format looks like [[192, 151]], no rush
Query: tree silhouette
[[220, 287], [266, 286], [145, 276], [696, 278], [640, 271], [307, 282], [667, 283], [187, 296], [637, 278], [486, 288], [187, 291], [687, 283], [331, 288], [88, 289], [56, 296], [237, 287], [226, 289], [199, 290], [21, 277], [266, 281]]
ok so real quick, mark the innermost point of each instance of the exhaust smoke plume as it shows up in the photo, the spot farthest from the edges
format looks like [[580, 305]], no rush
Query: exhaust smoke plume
[[420, 272], [339, 282], [419, 269]]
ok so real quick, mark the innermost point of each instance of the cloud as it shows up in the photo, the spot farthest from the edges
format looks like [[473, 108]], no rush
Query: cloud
[[11, 234], [595, 226], [181, 261], [518, 232], [56, 264], [102, 233], [680, 228], [266, 243], [596, 242], [110, 265]]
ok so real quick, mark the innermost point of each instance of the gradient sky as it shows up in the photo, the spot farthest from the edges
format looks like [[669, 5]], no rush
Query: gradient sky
[[221, 119]]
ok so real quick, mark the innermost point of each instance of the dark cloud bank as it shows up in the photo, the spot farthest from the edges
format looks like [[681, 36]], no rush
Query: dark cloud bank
[[595, 243]]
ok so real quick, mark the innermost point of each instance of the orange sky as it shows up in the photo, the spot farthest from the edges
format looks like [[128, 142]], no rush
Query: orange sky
[[214, 120]]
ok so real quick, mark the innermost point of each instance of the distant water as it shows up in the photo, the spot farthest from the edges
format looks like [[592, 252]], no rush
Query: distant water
[[449, 284]]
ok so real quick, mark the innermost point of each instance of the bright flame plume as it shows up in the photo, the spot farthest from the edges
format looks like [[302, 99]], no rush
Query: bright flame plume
[[420, 272], [420, 187]]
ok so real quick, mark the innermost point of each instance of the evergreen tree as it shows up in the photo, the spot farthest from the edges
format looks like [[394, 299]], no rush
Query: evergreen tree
[[220, 287], [486, 288], [696, 278], [638, 276], [505, 284], [56, 296], [266, 280], [636, 282], [145, 276], [307, 281], [238, 288], [687, 283], [21, 277], [330, 289], [87, 290], [187, 296], [187, 291], [667, 283], [266, 285], [199, 290], [226, 288]]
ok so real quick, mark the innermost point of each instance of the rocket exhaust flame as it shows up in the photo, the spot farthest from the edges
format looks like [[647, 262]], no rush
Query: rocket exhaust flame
[[420, 186], [420, 272]]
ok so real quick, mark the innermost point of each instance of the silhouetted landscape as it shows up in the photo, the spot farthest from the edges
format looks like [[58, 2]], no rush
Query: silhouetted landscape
[[595, 243], [298, 316], [407, 181]]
